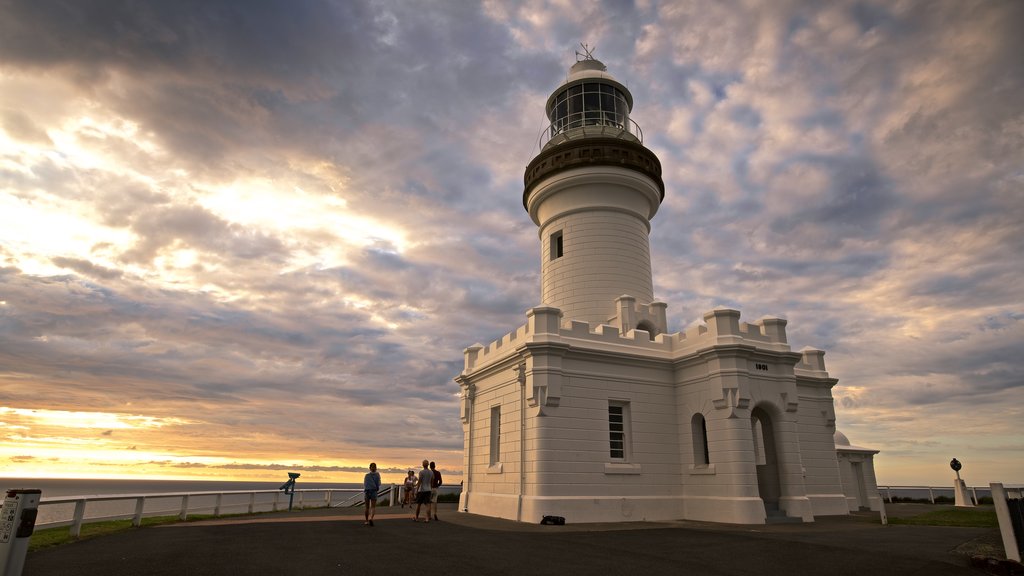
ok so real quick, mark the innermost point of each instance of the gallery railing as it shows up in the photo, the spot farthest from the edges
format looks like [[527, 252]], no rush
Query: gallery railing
[[589, 124]]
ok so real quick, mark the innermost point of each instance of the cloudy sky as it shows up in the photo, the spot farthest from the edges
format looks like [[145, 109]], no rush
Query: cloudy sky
[[243, 237]]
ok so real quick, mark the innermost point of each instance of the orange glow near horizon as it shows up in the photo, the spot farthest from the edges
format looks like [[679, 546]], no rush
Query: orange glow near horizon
[[64, 444]]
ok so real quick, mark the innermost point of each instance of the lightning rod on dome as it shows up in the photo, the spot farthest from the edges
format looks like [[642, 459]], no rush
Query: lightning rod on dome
[[588, 52]]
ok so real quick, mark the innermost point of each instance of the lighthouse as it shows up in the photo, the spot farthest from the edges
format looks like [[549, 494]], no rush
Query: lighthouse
[[592, 410], [592, 191]]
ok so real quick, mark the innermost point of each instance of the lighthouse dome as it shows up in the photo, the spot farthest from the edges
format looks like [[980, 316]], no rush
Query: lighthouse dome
[[840, 439]]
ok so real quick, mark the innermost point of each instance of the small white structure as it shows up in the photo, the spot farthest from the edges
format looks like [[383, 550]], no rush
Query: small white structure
[[857, 472], [591, 410]]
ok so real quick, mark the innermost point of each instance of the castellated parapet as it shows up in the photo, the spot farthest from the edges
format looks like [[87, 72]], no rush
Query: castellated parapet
[[721, 326]]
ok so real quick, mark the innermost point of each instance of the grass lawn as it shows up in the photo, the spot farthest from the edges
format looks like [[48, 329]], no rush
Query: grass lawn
[[967, 517], [56, 536]]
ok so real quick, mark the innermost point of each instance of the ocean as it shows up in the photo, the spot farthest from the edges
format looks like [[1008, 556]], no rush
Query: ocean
[[231, 504]]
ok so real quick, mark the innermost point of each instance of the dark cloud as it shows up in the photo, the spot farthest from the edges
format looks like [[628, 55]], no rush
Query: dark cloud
[[86, 268], [191, 226], [21, 127], [291, 467]]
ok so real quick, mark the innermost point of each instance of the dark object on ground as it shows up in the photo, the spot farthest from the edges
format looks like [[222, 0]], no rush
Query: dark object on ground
[[997, 566], [553, 521]]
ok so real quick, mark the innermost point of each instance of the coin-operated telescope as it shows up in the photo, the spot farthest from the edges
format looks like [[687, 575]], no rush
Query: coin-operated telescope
[[289, 487], [960, 497]]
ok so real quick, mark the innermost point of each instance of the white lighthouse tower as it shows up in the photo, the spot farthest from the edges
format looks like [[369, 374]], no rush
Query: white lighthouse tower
[[593, 190], [591, 410]]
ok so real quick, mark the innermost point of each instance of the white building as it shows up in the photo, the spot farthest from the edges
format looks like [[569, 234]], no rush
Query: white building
[[591, 410], [857, 473]]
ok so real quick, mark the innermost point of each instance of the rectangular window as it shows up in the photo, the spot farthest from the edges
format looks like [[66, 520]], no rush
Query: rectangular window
[[556, 245], [495, 435], [618, 430]]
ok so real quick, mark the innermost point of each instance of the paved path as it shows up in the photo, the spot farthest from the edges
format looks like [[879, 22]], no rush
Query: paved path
[[314, 542]]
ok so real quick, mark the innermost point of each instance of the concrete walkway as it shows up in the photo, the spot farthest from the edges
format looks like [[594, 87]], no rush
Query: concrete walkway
[[332, 541]]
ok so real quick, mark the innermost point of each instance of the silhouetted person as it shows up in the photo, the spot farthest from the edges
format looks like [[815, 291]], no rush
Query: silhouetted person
[[371, 486], [435, 483], [410, 489], [423, 492]]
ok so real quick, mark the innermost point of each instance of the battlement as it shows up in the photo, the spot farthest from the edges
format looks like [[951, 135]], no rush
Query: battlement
[[812, 363], [721, 326]]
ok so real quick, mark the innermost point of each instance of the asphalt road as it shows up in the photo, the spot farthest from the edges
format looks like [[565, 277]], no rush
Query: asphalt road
[[316, 542]]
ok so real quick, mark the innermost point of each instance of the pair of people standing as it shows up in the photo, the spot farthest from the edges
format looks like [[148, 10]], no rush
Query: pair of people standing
[[426, 491]]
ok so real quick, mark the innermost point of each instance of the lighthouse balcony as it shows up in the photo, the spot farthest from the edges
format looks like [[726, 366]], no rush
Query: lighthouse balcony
[[587, 125]]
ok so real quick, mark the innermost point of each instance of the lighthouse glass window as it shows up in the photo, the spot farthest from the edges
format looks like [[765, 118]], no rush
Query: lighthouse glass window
[[589, 104]]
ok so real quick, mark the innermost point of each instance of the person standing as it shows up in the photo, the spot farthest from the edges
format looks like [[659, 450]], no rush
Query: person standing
[[410, 489], [423, 492], [371, 486], [435, 483]]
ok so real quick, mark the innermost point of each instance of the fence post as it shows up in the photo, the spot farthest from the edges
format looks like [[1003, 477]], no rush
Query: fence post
[[276, 497], [76, 523], [931, 495], [252, 502], [1006, 528], [394, 489], [974, 492], [888, 493], [140, 503], [184, 508], [216, 507], [300, 501]]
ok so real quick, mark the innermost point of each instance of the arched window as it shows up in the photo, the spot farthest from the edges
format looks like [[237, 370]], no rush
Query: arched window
[[699, 429], [759, 448], [645, 325]]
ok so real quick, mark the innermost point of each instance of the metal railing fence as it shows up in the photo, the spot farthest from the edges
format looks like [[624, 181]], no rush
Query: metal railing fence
[[229, 500], [888, 493]]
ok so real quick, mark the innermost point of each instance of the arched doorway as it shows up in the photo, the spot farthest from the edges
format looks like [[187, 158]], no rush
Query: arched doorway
[[769, 485]]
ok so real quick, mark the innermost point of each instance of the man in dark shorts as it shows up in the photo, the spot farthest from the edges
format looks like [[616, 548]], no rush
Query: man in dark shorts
[[423, 492], [371, 486]]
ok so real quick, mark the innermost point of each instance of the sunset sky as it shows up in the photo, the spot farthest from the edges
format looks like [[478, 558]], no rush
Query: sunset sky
[[244, 238]]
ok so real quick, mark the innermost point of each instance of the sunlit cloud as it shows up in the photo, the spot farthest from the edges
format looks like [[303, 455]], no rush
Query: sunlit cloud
[[103, 420]]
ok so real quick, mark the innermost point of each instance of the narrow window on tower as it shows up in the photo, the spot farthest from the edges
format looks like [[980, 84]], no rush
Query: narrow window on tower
[[618, 430], [699, 430], [556, 245], [759, 454], [495, 435]]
